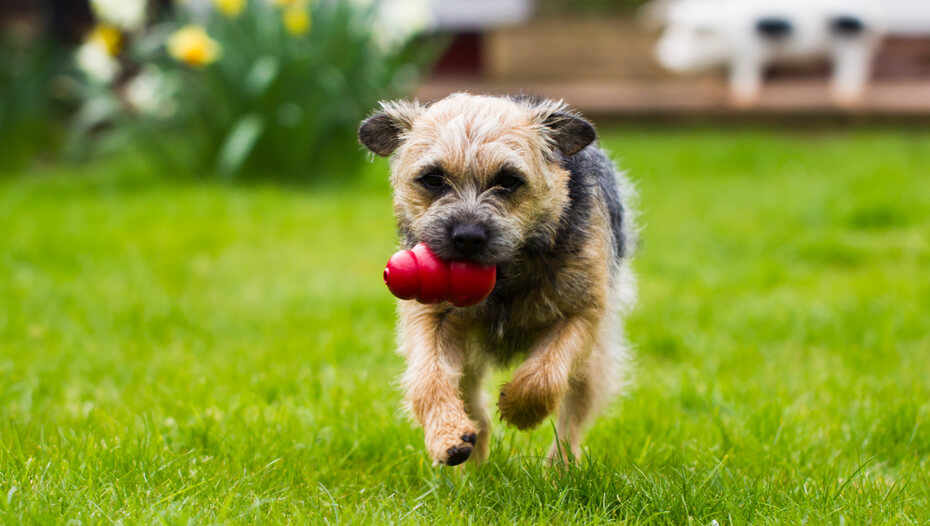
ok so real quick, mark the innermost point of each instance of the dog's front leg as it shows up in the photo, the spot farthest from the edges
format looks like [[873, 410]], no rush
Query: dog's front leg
[[432, 340], [543, 379]]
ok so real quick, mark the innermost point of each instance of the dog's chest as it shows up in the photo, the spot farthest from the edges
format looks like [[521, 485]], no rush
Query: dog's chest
[[522, 308]]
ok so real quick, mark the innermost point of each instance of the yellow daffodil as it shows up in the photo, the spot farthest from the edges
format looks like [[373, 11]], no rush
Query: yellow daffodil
[[96, 57], [192, 46], [297, 20], [230, 8], [108, 37]]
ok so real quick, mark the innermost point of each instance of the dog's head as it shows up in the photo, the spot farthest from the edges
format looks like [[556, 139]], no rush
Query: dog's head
[[476, 177]]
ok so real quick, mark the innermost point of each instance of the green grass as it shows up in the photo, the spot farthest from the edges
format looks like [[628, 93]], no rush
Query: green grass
[[174, 351]]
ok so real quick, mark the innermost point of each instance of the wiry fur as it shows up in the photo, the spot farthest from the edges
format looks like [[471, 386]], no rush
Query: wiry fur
[[561, 242]]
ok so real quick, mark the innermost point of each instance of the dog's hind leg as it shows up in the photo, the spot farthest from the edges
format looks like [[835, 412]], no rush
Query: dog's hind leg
[[589, 388], [574, 412]]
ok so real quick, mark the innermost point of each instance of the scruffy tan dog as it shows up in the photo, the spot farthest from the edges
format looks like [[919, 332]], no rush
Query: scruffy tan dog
[[516, 183]]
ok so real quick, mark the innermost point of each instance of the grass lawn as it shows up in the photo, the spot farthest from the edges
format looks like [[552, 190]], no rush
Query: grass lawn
[[177, 351]]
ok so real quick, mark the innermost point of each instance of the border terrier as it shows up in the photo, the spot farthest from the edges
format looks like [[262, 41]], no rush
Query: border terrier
[[519, 183]]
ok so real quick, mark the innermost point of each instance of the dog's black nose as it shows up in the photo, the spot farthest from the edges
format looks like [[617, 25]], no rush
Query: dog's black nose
[[469, 239]]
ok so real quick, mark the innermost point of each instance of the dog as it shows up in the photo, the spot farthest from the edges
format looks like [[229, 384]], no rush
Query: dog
[[520, 183]]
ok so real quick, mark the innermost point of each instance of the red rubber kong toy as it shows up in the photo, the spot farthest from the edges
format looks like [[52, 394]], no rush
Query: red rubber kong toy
[[418, 274]]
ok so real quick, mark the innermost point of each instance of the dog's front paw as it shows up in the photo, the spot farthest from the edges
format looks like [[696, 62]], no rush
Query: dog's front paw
[[527, 400], [452, 444]]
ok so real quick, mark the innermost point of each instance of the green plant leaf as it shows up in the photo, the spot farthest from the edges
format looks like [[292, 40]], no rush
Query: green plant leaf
[[261, 75], [239, 143], [95, 112]]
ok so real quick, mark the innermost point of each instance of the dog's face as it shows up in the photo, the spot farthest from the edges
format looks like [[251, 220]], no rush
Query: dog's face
[[477, 177]]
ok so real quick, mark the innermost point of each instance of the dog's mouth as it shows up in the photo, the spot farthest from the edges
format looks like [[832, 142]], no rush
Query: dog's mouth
[[484, 258], [482, 244]]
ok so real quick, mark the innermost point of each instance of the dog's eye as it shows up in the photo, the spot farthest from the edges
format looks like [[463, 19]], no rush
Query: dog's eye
[[508, 181], [432, 182]]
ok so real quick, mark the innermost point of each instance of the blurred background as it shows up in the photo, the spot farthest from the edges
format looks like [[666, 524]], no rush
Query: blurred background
[[193, 326], [230, 86]]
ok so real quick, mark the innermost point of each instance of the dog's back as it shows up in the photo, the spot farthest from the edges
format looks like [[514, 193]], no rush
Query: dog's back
[[591, 167]]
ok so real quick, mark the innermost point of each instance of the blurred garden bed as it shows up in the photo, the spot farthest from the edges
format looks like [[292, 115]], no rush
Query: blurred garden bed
[[263, 88]]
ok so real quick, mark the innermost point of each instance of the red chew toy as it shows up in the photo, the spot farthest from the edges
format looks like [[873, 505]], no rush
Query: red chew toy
[[419, 274]]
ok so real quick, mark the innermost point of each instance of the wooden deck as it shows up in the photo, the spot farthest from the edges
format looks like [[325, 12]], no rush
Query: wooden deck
[[706, 98]]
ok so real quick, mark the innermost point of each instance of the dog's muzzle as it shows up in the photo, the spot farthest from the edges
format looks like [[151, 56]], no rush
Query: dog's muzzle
[[469, 239]]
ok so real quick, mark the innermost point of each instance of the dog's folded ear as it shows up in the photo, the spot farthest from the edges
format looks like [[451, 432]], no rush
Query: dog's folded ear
[[569, 132], [384, 131]]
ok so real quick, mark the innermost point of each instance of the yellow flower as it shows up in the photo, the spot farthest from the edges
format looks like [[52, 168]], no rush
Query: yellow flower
[[193, 46], [230, 8], [297, 20], [107, 36]]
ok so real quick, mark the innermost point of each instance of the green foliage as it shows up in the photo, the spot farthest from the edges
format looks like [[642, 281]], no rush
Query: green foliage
[[173, 352], [275, 102], [26, 70]]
